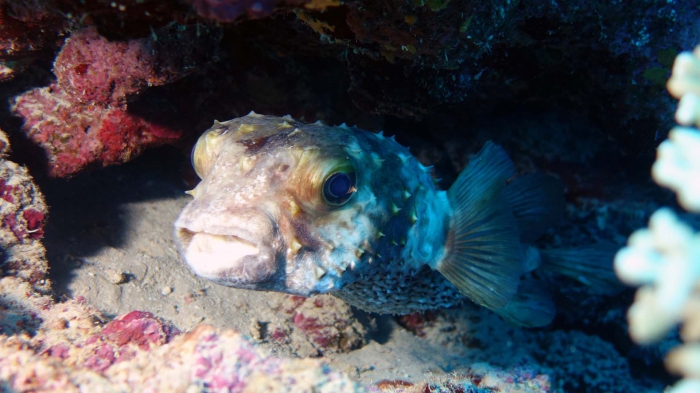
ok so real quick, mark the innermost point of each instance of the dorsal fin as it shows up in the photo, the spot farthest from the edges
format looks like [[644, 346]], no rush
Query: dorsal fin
[[483, 257], [537, 202], [532, 306]]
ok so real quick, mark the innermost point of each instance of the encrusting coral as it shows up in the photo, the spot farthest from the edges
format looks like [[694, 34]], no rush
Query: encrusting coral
[[665, 259], [22, 216], [82, 119]]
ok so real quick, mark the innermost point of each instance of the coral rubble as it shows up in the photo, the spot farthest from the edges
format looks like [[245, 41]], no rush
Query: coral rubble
[[23, 213], [327, 321]]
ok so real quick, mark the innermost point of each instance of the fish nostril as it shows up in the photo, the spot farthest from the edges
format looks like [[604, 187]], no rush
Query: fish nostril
[[273, 221]]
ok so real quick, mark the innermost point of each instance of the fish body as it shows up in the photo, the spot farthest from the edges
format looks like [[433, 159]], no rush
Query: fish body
[[306, 209]]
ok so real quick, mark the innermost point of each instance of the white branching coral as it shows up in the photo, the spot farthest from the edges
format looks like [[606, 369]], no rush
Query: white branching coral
[[678, 158], [665, 258], [677, 166]]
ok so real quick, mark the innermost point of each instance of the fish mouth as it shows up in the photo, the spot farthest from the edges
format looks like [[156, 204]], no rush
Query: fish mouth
[[228, 259]]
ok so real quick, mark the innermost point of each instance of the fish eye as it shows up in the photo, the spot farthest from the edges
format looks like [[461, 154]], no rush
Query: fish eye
[[338, 188], [194, 148]]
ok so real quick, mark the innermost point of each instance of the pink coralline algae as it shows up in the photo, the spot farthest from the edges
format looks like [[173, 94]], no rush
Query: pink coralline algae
[[120, 339], [22, 207], [206, 359], [326, 321], [22, 216], [83, 119], [417, 322], [140, 328], [93, 70]]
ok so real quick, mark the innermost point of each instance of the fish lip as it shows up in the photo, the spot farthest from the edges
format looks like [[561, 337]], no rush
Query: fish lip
[[184, 236], [186, 224], [228, 258]]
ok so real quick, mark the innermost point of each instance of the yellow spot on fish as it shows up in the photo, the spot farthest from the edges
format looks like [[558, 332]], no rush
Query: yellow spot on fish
[[414, 218], [296, 131], [406, 194], [293, 209], [246, 128], [247, 163], [402, 157], [284, 124], [319, 271], [393, 242], [380, 234], [253, 114], [192, 192], [359, 252], [395, 209], [294, 246]]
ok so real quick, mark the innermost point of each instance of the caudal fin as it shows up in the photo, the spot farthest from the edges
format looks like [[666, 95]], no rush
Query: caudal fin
[[484, 258], [537, 202]]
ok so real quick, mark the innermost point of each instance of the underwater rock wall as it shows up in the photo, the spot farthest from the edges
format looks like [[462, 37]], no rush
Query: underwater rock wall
[[410, 59]]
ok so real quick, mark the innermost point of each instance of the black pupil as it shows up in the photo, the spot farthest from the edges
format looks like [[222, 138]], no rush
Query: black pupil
[[339, 184]]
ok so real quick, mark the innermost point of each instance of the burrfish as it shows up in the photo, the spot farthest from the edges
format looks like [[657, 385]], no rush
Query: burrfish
[[310, 209]]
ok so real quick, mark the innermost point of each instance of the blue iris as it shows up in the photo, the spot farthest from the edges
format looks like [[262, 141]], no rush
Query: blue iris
[[339, 184], [338, 188]]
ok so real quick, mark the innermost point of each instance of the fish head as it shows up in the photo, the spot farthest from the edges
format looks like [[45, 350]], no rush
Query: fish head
[[277, 207]]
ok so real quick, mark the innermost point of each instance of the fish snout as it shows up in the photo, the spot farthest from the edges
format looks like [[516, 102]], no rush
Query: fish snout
[[238, 249]]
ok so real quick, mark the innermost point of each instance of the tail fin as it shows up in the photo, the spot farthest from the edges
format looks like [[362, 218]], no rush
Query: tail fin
[[532, 306], [484, 258], [537, 201], [590, 265]]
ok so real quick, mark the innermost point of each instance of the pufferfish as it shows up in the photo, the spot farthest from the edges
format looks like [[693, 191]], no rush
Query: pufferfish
[[311, 209]]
